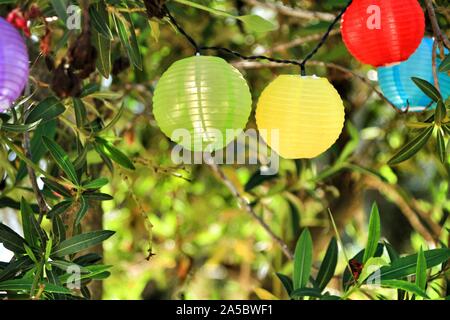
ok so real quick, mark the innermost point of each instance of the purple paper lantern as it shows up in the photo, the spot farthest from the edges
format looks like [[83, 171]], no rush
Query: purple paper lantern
[[14, 64]]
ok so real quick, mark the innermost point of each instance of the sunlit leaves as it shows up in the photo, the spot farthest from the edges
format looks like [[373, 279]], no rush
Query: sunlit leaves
[[61, 158], [412, 147], [302, 260], [374, 234]]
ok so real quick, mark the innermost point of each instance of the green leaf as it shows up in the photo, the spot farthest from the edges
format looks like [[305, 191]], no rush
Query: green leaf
[[374, 233], [81, 242], [303, 260], [56, 187], [328, 266], [60, 7], [287, 282], [19, 128], [256, 23], [11, 240], [445, 65], [108, 149], [16, 267], [126, 31], [96, 184], [47, 129], [26, 284], [82, 210], [58, 229], [393, 255], [257, 179], [372, 265], [306, 292], [412, 147], [406, 266], [427, 88], [80, 112], [404, 285], [421, 270], [100, 20], [46, 110], [103, 46], [31, 228], [97, 196], [440, 113], [65, 265], [441, 146], [61, 158]]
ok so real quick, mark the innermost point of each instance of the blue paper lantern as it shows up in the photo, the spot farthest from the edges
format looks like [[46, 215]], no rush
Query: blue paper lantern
[[396, 84]]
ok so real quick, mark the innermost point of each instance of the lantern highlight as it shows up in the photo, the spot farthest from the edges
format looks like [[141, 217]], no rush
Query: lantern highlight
[[202, 103], [14, 67], [396, 83], [382, 32], [300, 117]]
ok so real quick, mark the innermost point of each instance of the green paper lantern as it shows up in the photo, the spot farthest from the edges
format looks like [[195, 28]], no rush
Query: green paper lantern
[[201, 103]]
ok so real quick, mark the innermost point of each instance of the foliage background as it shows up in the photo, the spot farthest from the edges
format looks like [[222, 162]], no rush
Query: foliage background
[[205, 246]]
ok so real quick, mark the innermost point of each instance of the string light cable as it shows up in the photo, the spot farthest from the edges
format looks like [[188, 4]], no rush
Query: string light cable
[[301, 64]]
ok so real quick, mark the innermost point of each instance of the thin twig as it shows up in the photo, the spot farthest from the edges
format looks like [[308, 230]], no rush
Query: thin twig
[[249, 209], [292, 12], [439, 35], [433, 63]]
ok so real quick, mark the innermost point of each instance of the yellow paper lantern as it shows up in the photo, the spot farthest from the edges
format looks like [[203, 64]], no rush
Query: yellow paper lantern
[[206, 98], [300, 117]]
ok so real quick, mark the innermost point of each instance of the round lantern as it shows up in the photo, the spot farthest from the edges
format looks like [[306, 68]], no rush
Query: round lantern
[[382, 32], [13, 64], [300, 117], [396, 84], [201, 103]]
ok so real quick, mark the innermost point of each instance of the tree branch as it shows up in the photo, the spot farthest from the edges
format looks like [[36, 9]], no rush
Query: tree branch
[[249, 209], [439, 35]]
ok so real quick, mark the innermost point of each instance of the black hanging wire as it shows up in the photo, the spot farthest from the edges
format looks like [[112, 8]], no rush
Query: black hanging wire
[[301, 64], [323, 39]]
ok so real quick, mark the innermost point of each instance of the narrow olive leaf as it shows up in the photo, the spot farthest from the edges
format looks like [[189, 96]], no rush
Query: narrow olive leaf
[[26, 284], [82, 210], [88, 259], [100, 19], [66, 265], [80, 112], [393, 254], [96, 184], [58, 229], [412, 147], [116, 118], [440, 113], [16, 267], [303, 260], [60, 7], [61, 158], [103, 46], [27, 214], [441, 146], [56, 187], [11, 240], [328, 266], [287, 282], [53, 279], [126, 31], [446, 129], [306, 292], [257, 179], [405, 285], [374, 233], [406, 266], [445, 65], [94, 271], [81, 242], [19, 128], [421, 270], [369, 268], [256, 23], [427, 88], [97, 196], [111, 152], [46, 110]]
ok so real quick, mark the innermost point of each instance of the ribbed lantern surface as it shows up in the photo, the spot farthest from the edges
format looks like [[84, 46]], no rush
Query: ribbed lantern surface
[[300, 117], [396, 83], [382, 32], [206, 97], [13, 64]]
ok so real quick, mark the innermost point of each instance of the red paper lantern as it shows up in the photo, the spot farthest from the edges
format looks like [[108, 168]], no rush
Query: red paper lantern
[[382, 32]]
